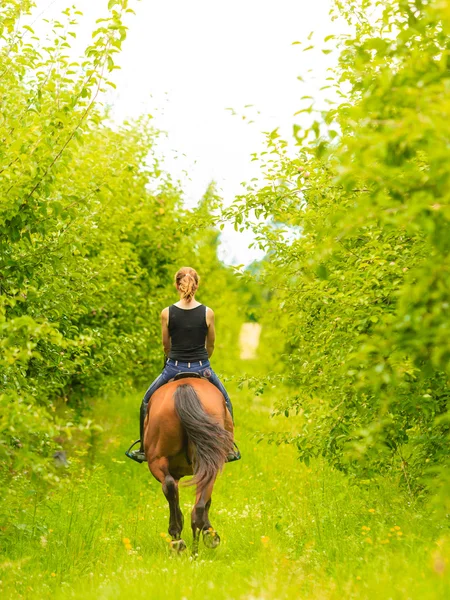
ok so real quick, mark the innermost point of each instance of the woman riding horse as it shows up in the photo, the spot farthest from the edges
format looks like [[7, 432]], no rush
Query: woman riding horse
[[188, 337], [187, 428]]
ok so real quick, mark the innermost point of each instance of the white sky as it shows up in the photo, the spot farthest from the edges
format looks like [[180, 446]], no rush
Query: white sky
[[186, 62]]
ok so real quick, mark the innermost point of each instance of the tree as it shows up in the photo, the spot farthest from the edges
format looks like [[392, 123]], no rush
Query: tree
[[86, 248], [357, 231]]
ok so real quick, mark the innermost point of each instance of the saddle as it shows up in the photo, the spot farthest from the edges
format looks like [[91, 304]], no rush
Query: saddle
[[185, 375]]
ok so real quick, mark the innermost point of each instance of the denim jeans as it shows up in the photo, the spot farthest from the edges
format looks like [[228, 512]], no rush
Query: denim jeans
[[171, 369]]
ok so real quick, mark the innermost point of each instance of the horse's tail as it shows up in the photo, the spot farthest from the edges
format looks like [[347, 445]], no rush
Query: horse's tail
[[211, 441]]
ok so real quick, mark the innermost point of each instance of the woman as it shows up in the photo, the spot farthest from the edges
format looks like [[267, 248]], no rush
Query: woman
[[188, 337]]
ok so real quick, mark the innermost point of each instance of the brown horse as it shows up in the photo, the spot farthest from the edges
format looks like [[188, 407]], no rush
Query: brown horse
[[188, 431]]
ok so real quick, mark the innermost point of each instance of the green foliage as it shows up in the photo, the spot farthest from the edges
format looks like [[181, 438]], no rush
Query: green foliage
[[91, 233], [357, 230], [353, 296], [88, 240]]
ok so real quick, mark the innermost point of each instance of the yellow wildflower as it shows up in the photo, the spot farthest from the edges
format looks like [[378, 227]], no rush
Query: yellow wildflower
[[264, 540], [127, 544], [371, 510]]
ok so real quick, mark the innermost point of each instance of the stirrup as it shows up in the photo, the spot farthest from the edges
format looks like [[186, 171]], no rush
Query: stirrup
[[235, 456], [132, 455]]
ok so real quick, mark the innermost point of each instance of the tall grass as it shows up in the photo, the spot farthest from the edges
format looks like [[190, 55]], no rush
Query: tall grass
[[287, 531]]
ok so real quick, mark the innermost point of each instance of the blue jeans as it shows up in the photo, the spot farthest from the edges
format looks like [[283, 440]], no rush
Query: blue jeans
[[172, 368]]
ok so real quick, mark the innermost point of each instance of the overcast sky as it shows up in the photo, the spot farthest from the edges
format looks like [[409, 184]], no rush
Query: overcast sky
[[186, 62]]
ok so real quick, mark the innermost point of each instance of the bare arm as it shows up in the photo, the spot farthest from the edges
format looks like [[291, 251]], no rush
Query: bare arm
[[165, 331], [211, 335]]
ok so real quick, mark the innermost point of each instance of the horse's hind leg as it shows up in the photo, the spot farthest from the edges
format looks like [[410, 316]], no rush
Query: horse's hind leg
[[200, 520], [170, 489], [211, 538]]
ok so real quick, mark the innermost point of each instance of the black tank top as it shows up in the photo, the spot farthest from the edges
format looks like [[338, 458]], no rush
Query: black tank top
[[187, 330]]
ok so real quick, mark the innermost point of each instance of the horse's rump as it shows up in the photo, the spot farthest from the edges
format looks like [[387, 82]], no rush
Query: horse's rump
[[210, 440]]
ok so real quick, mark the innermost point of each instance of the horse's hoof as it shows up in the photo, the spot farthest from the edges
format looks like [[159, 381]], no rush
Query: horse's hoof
[[177, 546], [211, 538]]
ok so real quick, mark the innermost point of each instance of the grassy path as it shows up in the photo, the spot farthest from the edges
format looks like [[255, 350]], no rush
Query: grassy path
[[287, 531]]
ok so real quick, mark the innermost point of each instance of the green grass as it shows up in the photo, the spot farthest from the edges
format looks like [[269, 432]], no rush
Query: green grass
[[287, 531]]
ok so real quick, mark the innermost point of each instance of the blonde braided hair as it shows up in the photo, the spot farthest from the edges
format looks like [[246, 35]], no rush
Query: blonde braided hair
[[187, 281]]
